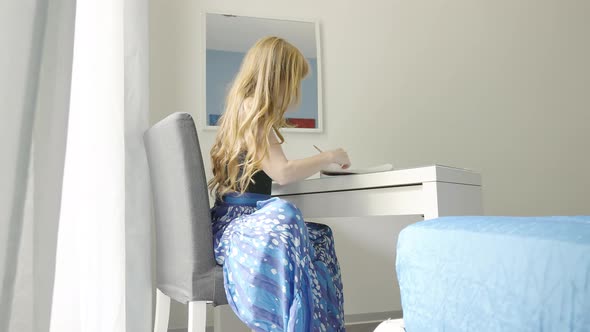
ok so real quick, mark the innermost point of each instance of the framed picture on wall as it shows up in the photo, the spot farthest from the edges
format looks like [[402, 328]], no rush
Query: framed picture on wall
[[227, 39]]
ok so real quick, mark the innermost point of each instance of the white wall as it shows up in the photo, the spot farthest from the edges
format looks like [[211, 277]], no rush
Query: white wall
[[501, 87]]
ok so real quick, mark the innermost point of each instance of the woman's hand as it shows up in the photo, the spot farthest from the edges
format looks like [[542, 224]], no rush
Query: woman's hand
[[339, 156], [284, 171]]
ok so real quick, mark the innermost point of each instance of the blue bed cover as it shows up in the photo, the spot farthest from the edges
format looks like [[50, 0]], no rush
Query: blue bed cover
[[482, 274]]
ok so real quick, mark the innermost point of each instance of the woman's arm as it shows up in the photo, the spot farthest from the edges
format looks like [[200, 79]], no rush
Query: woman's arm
[[284, 171]]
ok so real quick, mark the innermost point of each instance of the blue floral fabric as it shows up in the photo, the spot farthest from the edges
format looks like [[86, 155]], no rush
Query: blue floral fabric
[[280, 273]]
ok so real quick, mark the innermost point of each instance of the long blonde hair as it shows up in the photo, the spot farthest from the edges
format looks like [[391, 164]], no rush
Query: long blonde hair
[[270, 75]]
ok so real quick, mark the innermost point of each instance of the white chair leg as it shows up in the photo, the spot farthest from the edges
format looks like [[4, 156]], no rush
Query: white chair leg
[[197, 316], [162, 312]]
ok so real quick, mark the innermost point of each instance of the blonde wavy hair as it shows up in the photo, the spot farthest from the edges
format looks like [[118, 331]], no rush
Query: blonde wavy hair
[[270, 75]]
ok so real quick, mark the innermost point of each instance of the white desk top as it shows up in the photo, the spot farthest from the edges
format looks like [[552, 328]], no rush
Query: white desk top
[[395, 178]]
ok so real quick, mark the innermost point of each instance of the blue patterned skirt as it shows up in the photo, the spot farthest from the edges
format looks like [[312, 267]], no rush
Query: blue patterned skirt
[[280, 273]]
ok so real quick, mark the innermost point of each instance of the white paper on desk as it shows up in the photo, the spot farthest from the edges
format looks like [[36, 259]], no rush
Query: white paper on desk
[[336, 170]]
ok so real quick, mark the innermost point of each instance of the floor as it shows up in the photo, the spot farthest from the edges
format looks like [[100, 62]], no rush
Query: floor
[[368, 327]]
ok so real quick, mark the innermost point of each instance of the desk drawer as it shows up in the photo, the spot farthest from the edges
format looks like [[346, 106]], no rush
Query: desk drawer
[[406, 200]]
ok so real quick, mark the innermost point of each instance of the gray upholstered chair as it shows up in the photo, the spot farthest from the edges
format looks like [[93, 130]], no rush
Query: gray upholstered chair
[[186, 268]]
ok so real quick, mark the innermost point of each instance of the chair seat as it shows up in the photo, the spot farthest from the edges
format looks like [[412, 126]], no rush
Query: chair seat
[[208, 288]]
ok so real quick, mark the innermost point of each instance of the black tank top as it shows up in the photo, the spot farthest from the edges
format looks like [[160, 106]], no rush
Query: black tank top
[[261, 182]]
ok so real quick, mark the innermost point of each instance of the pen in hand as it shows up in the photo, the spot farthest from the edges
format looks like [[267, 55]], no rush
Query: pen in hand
[[320, 151]]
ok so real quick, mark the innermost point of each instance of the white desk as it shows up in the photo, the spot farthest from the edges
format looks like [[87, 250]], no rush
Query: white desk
[[430, 191], [367, 253]]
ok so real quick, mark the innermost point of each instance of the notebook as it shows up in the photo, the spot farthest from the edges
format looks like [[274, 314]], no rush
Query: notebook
[[336, 170]]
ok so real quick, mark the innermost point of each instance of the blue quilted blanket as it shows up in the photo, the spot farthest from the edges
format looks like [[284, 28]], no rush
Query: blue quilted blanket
[[478, 274]]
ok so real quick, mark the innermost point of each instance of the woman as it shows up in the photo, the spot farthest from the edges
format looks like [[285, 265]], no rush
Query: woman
[[280, 273]]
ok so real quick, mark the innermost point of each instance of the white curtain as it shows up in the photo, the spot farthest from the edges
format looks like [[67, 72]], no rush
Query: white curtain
[[138, 210], [35, 62], [102, 271], [103, 277]]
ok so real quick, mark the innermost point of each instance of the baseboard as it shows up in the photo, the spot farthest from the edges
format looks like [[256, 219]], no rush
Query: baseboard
[[372, 317]]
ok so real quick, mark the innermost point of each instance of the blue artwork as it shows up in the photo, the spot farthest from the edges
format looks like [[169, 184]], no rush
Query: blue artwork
[[213, 118]]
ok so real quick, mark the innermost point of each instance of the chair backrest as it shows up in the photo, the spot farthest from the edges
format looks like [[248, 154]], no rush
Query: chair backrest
[[184, 247]]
